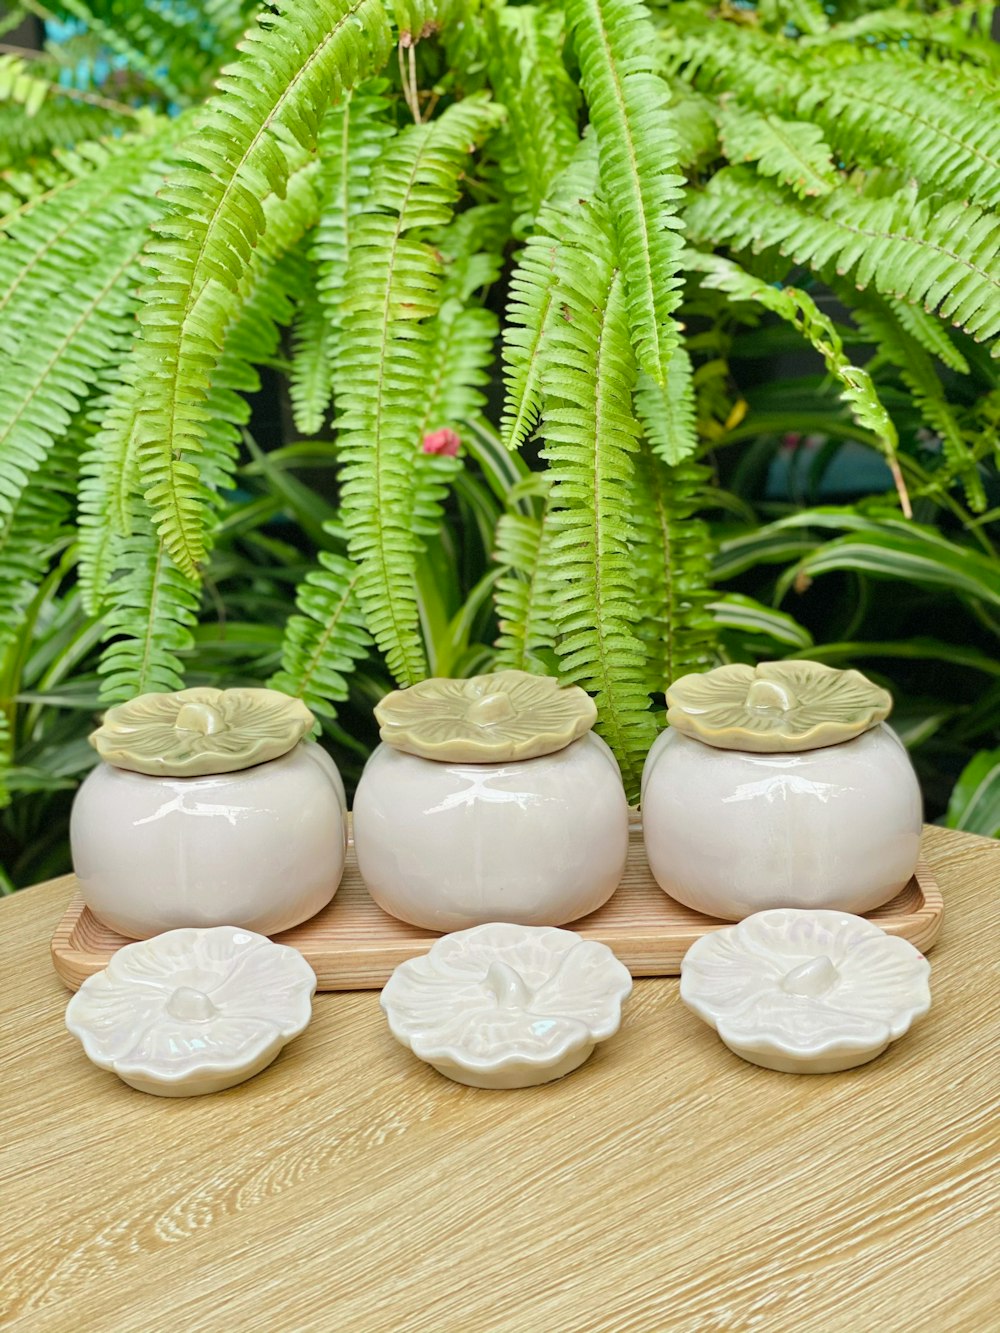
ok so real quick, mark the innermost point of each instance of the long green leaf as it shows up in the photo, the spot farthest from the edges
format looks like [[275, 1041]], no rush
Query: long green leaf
[[975, 801]]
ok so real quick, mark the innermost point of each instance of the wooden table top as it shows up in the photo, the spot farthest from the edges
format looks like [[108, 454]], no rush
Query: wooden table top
[[665, 1186]]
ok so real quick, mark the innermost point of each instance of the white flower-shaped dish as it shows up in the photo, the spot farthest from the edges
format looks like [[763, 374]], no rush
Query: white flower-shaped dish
[[506, 1006], [193, 1011], [806, 992]]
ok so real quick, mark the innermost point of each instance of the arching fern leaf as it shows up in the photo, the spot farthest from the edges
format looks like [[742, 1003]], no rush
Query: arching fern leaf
[[326, 636], [672, 554], [392, 289], [794, 151], [880, 321], [668, 414], [590, 436], [524, 594], [262, 121], [152, 606], [309, 375], [532, 311], [352, 135], [940, 256], [628, 104], [531, 79], [800, 310]]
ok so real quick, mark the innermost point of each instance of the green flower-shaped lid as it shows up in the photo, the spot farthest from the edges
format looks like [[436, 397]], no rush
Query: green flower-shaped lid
[[194, 733], [485, 719], [776, 706]]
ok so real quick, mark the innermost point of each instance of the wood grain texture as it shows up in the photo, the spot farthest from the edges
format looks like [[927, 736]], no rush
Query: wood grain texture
[[354, 945], [665, 1187]]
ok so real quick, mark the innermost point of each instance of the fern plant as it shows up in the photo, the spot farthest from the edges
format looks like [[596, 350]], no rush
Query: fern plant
[[500, 262]]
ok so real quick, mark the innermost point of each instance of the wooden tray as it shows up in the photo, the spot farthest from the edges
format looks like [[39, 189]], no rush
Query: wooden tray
[[354, 945]]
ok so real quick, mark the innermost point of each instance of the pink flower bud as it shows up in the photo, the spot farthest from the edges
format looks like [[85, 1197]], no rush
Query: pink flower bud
[[445, 442]]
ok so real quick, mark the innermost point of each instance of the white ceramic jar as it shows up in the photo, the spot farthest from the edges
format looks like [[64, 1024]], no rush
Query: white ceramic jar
[[779, 786], [490, 799], [210, 809]]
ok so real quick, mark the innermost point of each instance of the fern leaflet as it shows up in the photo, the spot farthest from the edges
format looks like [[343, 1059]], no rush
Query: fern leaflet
[[940, 256], [590, 435], [628, 103], [393, 287]]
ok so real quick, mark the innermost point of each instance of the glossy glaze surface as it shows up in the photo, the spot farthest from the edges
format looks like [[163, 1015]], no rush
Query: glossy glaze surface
[[806, 992], [193, 1011], [262, 848], [447, 846], [505, 1006], [729, 832]]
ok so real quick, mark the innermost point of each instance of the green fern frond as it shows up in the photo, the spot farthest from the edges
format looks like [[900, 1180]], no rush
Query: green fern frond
[[930, 333], [523, 594], [941, 256], [41, 390], [251, 135], [309, 375], [457, 356], [672, 554], [628, 103], [32, 531], [472, 248], [151, 607], [393, 286], [459, 351], [23, 190], [326, 637], [668, 413], [880, 321], [900, 111], [110, 190], [531, 310], [792, 150], [531, 316], [60, 124], [715, 58], [110, 493], [106, 488], [799, 310], [352, 135], [872, 107], [542, 101], [692, 118], [946, 31], [590, 436], [19, 85]]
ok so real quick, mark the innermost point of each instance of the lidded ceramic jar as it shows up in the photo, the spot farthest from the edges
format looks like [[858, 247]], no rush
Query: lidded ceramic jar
[[210, 808], [490, 799], [779, 786]]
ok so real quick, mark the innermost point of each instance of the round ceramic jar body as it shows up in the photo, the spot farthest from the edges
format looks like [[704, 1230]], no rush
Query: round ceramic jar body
[[446, 846], [729, 832], [262, 848]]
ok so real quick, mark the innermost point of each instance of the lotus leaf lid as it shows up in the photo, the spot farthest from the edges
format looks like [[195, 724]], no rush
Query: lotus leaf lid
[[775, 707], [485, 719], [202, 731]]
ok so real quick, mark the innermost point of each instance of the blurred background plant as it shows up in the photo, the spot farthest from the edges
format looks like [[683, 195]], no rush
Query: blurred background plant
[[389, 408]]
